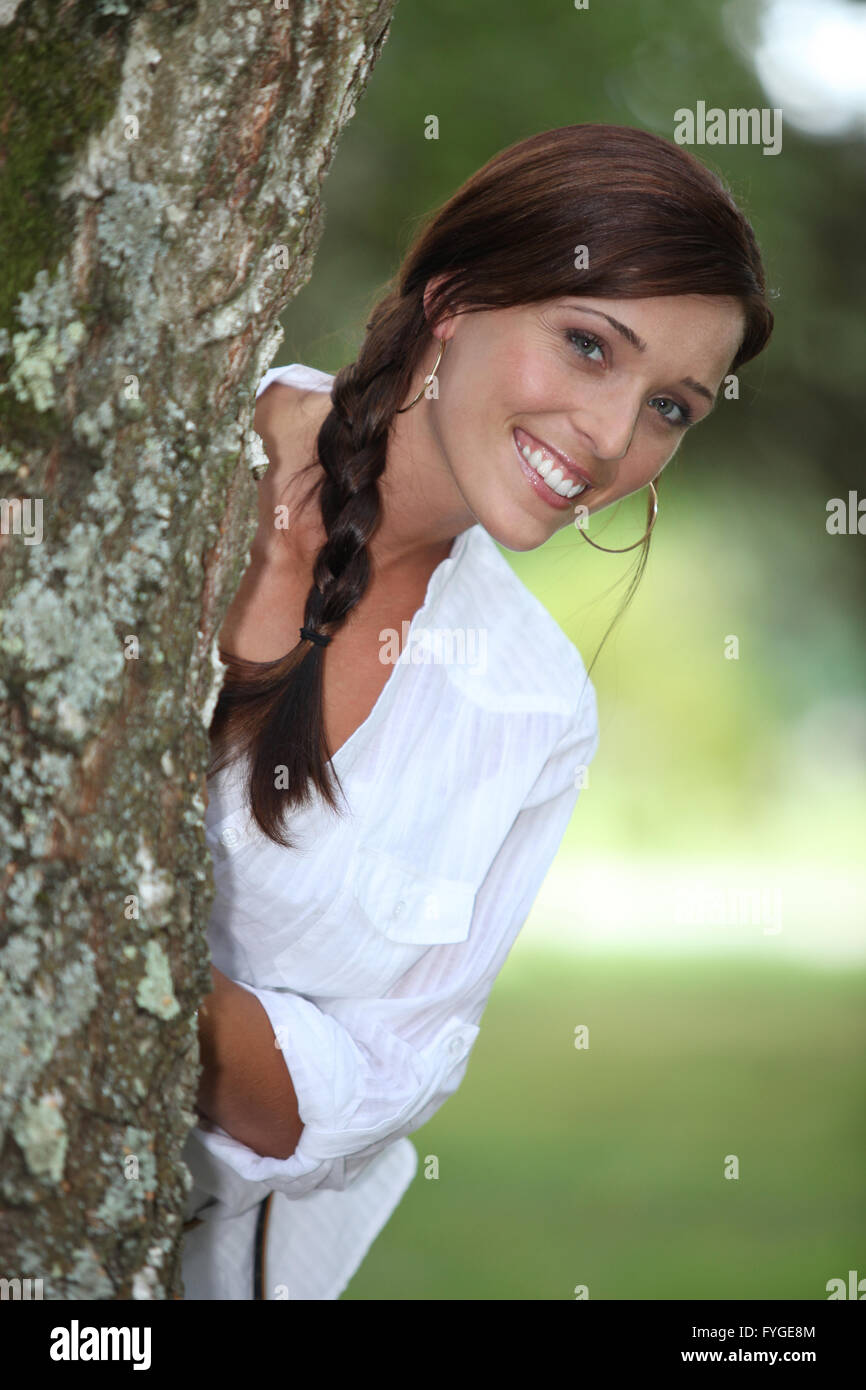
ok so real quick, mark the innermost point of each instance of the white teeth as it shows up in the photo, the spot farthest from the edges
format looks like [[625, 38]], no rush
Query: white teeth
[[541, 464], [556, 480]]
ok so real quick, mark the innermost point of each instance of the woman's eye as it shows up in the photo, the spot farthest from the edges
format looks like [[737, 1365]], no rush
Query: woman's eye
[[580, 340], [682, 418], [587, 344]]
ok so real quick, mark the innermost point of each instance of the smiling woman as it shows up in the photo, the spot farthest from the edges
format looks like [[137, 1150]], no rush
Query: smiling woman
[[669, 269], [504, 390]]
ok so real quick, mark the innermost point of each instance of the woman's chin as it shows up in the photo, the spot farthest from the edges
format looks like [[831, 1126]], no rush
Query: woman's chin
[[516, 530]]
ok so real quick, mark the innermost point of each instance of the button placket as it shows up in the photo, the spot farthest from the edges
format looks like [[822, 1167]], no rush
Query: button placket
[[230, 839]]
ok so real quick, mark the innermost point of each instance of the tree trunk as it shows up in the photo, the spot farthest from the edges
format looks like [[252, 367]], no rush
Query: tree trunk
[[160, 172]]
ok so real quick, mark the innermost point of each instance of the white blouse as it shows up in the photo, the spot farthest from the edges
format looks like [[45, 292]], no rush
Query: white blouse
[[374, 944]]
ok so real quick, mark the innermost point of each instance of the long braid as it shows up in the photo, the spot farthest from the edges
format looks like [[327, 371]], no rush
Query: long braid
[[278, 705]]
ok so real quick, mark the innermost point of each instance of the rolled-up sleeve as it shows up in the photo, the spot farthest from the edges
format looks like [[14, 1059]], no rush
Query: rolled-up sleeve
[[368, 1071]]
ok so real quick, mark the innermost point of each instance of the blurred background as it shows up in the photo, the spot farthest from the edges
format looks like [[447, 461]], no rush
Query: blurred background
[[704, 919]]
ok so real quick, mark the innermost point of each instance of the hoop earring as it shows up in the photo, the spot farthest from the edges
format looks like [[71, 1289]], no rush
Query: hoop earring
[[427, 381], [651, 514]]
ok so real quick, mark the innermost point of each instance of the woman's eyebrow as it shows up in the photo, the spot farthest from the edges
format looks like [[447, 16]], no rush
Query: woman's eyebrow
[[628, 333], [701, 390], [636, 342]]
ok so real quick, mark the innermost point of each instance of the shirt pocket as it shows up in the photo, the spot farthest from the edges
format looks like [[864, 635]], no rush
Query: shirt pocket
[[387, 915], [408, 905]]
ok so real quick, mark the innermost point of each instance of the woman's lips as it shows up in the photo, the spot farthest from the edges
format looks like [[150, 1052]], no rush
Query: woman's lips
[[560, 460], [552, 498]]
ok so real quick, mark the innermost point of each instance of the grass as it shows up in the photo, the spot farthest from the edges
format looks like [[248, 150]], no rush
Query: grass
[[605, 1166]]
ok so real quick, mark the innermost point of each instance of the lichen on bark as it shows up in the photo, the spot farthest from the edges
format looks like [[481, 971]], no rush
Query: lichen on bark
[[152, 157]]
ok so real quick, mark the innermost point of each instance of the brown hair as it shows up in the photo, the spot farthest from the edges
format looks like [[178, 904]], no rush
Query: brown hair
[[657, 222]]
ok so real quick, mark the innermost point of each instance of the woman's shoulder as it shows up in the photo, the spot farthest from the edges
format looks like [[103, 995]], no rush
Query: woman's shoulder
[[296, 375], [291, 404], [526, 661], [295, 388]]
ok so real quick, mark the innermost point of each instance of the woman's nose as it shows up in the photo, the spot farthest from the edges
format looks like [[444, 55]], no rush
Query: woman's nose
[[609, 428], [611, 435]]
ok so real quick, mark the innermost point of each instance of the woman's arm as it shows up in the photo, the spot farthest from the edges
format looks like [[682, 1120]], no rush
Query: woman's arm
[[245, 1086]]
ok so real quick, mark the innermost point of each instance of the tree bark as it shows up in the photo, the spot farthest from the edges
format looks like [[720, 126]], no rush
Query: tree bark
[[160, 175]]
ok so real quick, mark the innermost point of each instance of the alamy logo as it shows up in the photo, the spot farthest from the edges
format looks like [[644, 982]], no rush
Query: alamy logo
[[439, 646], [23, 1289], [836, 1287], [705, 904], [76, 1343], [16, 518], [847, 520], [736, 126]]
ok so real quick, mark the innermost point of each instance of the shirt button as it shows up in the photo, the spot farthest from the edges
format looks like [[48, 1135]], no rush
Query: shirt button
[[456, 1044], [229, 837], [399, 908]]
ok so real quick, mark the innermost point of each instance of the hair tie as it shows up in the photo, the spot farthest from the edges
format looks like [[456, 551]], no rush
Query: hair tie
[[313, 636]]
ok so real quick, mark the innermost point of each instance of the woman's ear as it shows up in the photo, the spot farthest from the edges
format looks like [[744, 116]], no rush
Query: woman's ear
[[443, 322]]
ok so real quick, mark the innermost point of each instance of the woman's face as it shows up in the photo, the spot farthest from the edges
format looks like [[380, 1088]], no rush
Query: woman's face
[[612, 384]]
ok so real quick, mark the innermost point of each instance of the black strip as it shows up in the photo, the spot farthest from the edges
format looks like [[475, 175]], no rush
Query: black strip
[[259, 1248]]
